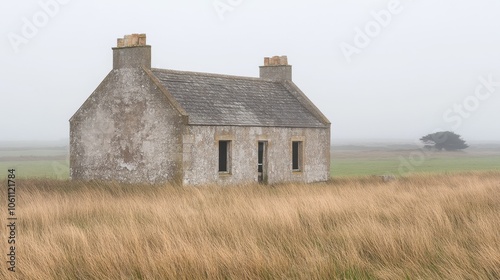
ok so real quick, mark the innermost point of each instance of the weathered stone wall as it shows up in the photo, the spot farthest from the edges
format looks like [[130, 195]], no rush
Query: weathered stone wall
[[200, 154], [127, 131]]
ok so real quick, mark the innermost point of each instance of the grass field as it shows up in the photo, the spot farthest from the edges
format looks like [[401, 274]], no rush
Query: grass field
[[36, 162], [346, 161], [400, 161], [416, 227]]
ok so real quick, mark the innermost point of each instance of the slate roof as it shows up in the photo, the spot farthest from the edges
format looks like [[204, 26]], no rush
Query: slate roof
[[211, 99]]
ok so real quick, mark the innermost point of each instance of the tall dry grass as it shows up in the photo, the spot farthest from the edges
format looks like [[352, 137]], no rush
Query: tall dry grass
[[420, 227]]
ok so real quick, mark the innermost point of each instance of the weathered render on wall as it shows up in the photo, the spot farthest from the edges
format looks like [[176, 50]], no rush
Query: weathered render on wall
[[201, 154], [127, 130]]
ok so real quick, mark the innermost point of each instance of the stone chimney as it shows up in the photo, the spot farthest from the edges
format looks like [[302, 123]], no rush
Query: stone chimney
[[276, 68], [132, 52]]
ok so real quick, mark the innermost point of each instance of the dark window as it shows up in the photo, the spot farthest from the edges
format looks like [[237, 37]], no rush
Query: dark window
[[261, 156], [224, 156], [262, 162], [296, 156]]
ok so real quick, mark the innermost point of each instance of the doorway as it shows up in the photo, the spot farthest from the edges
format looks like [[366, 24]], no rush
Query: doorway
[[262, 162]]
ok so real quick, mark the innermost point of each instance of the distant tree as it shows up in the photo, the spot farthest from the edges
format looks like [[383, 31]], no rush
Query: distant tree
[[444, 140]]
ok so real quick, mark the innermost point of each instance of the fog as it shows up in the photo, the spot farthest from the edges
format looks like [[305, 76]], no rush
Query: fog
[[379, 70]]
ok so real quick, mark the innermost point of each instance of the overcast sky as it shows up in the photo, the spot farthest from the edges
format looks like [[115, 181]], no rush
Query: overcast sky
[[377, 69]]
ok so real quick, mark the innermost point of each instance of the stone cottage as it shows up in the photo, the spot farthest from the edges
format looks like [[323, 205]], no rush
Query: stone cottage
[[157, 125]]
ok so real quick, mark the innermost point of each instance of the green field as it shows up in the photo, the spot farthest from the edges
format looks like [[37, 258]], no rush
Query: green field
[[34, 162], [53, 169], [347, 161], [403, 162]]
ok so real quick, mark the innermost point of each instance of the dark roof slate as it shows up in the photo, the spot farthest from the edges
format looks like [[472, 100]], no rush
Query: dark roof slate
[[211, 99]]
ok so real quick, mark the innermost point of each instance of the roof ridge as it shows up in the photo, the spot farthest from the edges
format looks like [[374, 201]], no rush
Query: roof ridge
[[206, 74]]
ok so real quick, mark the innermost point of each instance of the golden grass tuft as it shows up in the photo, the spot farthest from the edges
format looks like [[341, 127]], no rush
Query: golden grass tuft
[[418, 227]]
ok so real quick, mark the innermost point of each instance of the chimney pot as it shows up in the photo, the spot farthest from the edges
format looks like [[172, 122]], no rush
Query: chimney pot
[[142, 39], [134, 40], [120, 43], [127, 40], [275, 61], [283, 60], [266, 61]]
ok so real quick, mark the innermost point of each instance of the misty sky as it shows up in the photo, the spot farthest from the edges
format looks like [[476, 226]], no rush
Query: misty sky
[[376, 69]]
